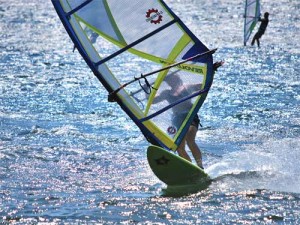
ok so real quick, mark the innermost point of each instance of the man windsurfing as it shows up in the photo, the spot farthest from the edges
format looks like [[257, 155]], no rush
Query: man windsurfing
[[262, 28]]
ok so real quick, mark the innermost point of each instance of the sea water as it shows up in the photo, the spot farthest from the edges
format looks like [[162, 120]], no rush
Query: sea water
[[68, 156]]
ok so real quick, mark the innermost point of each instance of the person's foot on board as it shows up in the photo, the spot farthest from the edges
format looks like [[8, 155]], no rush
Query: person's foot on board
[[199, 163]]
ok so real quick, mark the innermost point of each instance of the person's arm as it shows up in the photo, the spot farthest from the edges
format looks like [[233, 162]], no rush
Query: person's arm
[[217, 65], [159, 98], [195, 87]]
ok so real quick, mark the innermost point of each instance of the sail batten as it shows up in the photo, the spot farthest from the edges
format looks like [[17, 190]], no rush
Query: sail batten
[[122, 41], [78, 8], [174, 104], [127, 47]]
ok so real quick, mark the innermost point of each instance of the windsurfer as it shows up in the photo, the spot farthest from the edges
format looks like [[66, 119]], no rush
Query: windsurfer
[[263, 26], [178, 91]]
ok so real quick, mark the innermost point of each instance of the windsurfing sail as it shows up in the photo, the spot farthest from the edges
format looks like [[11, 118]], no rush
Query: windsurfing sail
[[251, 16], [120, 40]]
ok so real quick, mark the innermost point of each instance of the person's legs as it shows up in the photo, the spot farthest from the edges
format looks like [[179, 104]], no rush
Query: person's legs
[[253, 40], [258, 43], [182, 152], [256, 38], [190, 139]]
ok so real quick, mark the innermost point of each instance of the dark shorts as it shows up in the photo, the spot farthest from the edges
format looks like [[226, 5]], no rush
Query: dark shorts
[[196, 121], [177, 120], [259, 34]]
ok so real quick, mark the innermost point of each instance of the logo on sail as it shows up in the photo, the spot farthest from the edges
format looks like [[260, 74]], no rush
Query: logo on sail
[[154, 16], [172, 130]]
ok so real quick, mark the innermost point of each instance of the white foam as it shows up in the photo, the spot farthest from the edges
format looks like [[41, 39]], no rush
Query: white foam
[[275, 164]]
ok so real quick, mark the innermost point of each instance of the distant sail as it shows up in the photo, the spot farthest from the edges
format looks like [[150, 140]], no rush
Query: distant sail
[[251, 16], [121, 39]]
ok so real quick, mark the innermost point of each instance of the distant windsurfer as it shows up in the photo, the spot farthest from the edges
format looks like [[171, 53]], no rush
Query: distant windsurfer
[[179, 91], [262, 28]]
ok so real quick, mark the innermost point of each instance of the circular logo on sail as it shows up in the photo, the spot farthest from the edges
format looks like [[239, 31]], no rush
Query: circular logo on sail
[[154, 16], [171, 130]]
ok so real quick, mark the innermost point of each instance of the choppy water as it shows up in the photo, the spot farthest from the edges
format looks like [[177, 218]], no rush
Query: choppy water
[[68, 156]]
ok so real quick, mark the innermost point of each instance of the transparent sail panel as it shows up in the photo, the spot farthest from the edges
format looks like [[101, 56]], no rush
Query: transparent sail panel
[[123, 42], [252, 14]]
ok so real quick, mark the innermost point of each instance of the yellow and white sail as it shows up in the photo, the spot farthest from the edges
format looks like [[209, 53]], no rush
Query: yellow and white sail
[[120, 40]]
